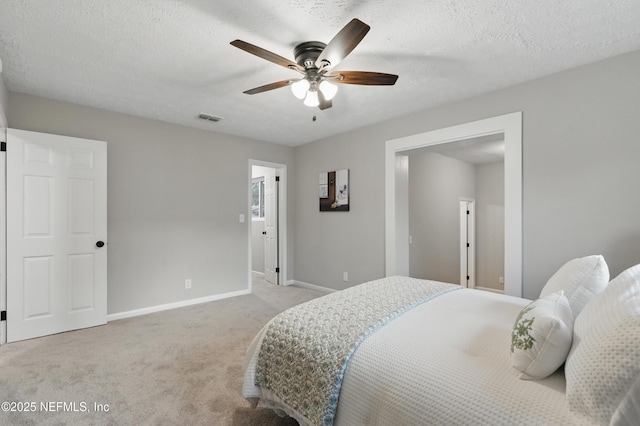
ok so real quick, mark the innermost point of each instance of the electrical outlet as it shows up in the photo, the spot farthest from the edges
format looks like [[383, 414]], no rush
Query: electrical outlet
[[345, 276], [501, 280], [187, 284]]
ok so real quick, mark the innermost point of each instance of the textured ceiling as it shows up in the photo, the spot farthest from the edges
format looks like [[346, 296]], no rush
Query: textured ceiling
[[171, 60]]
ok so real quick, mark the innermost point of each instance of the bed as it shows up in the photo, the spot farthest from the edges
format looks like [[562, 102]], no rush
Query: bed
[[404, 351]]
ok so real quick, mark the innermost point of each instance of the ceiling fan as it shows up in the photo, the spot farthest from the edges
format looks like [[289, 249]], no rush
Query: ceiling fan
[[314, 60]]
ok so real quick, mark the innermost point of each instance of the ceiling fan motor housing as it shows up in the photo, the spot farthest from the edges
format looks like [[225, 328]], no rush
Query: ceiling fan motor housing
[[307, 53]]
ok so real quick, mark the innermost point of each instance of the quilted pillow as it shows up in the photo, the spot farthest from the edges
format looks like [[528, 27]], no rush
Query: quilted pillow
[[603, 366], [541, 336], [580, 279]]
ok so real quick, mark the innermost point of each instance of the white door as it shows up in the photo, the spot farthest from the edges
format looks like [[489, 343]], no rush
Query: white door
[[271, 226], [56, 234], [467, 243]]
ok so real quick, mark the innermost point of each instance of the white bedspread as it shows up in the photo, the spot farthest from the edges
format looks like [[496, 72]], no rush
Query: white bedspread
[[444, 362]]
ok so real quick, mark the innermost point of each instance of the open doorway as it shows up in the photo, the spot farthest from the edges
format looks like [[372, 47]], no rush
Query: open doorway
[[449, 184], [396, 198], [267, 230]]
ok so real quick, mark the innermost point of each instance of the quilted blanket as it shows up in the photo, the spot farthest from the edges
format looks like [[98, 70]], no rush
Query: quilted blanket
[[306, 349]]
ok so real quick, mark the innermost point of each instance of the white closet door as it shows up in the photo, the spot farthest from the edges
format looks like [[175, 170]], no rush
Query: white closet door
[[56, 234]]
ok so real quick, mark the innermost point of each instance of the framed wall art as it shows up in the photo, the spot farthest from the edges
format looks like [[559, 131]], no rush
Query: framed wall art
[[334, 191]]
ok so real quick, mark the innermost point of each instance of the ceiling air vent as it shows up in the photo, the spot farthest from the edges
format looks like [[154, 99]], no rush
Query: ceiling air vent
[[209, 117]]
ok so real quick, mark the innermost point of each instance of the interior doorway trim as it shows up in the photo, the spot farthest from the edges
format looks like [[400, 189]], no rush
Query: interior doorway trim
[[281, 171], [510, 125]]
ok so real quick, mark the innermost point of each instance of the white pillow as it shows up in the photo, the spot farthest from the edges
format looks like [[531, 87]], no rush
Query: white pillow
[[604, 362], [628, 412], [541, 336], [580, 279]]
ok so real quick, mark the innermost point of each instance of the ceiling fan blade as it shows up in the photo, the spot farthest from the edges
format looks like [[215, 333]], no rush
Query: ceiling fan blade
[[363, 77], [267, 87], [324, 103], [265, 54], [342, 44]]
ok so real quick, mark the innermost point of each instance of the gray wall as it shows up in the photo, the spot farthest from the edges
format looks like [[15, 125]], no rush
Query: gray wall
[[580, 176], [436, 184], [489, 225], [175, 193], [330, 243], [174, 197], [4, 99]]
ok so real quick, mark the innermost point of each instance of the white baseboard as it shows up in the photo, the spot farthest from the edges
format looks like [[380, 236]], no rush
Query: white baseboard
[[492, 290], [181, 304], [313, 286]]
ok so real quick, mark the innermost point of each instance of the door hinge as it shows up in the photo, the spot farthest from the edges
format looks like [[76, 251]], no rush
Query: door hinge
[[3, 146], [467, 277], [277, 178], [468, 245], [3, 316], [467, 211], [277, 270]]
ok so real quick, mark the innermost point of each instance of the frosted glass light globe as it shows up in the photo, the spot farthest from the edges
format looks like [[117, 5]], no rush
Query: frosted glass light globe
[[300, 87], [329, 90], [312, 99]]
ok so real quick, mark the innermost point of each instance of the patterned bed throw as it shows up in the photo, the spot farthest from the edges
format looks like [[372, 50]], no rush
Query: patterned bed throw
[[306, 349]]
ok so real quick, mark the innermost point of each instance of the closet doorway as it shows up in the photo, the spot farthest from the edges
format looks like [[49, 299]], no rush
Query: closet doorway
[[396, 191], [456, 212]]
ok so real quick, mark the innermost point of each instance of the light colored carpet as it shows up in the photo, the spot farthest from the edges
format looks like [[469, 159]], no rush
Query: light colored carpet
[[177, 367]]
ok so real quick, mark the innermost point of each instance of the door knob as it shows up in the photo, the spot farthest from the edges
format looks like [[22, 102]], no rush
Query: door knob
[[100, 244]]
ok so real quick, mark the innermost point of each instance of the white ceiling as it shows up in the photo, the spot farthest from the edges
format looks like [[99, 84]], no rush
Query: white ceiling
[[171, 60]]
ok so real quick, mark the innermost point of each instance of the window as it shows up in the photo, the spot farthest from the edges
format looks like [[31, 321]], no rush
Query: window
[[257, 198]]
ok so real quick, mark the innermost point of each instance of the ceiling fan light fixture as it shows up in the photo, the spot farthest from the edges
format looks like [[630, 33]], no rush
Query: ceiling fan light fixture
[[300, 87], [311, 100], [314, 59], [328, 89]]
